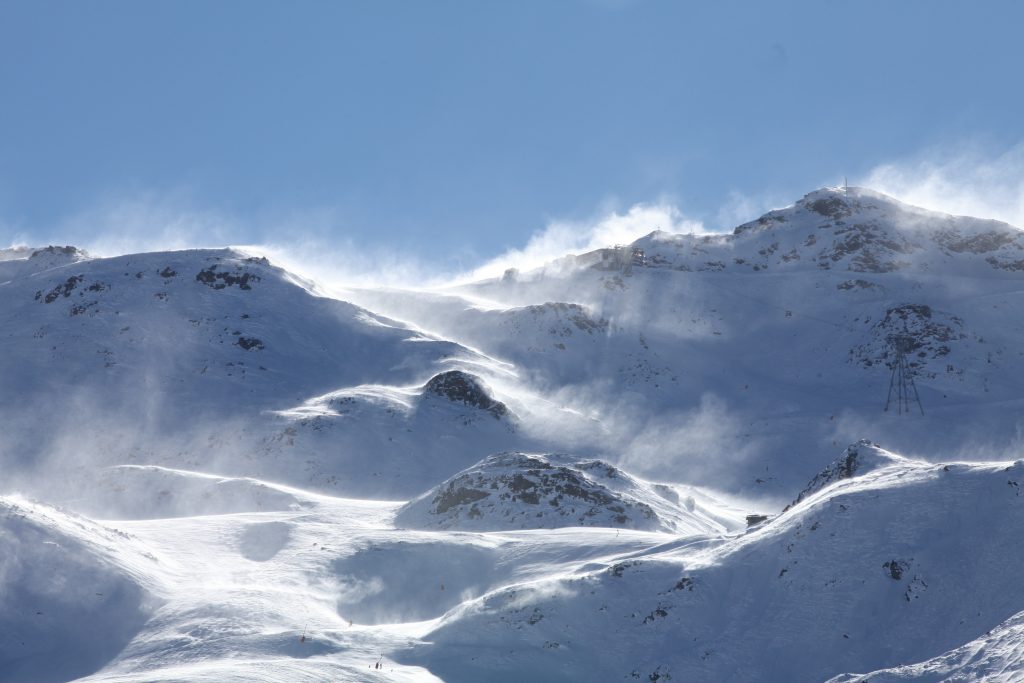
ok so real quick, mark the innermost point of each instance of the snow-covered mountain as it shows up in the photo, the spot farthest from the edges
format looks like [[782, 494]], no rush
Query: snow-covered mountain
[[743, 357], [669, 460], [208, 360]]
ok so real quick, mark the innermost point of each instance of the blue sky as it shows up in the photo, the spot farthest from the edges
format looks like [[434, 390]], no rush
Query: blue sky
[[453, 131]]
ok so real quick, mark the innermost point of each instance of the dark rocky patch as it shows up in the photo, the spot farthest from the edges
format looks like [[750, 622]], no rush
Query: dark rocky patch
[[684, 584], [79, 309], [832, 207], [871, 247], [857, 284], [452, 496], [896, 568], [791, 255], [1005, 265], [574, 315], [658, 613], [168, 272], [768, 220], [218, 279], [64, 289], [250, 343], [843, 468], [601, 468], [976, 244], [52, 249], [619, 569], [932, 336], [527, 491], [462, 387]]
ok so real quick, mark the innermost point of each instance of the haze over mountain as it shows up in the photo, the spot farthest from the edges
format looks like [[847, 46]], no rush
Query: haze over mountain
[[666, 460]]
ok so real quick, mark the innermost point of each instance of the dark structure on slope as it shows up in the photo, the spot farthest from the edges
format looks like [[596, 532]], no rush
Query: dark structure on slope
[[901, 381]]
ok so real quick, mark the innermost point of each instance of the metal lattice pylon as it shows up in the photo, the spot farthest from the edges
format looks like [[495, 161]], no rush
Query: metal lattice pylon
[[901, 381]]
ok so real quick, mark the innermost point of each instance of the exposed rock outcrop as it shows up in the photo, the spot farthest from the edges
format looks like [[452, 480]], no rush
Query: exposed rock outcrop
[[461, 387]]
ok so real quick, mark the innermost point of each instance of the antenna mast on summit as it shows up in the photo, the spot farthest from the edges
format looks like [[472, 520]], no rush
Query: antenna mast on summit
[[846, 187], [901, 381]]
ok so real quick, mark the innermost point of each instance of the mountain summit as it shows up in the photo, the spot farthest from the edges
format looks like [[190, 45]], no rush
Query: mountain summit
[[852, 229]]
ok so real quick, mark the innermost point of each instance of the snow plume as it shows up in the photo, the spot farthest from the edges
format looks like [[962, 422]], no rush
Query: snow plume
[[708, 434], [302, 240], [307, 241], [336, 264], [141, 222], [740, 208], [983, 438], [697, 444], [968, 182], [66, 464], [563, 237]]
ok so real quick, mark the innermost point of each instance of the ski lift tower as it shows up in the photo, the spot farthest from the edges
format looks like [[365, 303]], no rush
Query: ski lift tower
[[901, 381]]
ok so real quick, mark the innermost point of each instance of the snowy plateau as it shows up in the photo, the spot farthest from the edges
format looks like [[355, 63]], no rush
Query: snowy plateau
[[662, 461]]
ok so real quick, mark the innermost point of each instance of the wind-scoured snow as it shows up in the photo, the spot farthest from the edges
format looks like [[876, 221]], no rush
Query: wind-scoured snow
[[898, 565], [73, 593], [996, 657], [667, 460], [740, 358], [149, 491]]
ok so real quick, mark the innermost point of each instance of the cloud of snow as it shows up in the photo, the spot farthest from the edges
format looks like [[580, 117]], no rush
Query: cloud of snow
[[352, 589], [144, 222], [706, 437], [88, 428], [313, 243], [697, 444], [561, 237], [528, 595], [335, 264], [740, 208], [968, 181], [344, 263], [305, 242]]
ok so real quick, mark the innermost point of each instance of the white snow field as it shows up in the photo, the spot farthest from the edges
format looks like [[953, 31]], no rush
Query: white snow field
[[664, 461]]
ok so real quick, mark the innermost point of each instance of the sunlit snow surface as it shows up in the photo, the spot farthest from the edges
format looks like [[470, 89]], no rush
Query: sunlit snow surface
[[230, 596], [214, 470]]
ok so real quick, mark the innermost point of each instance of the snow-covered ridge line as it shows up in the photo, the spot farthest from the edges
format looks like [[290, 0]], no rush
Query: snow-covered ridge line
[[852, 229], [525, 476]]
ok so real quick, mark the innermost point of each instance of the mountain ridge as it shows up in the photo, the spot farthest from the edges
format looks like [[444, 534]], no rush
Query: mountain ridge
[[653, 461]]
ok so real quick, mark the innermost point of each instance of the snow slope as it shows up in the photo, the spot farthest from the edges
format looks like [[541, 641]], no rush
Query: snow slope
[[193, 359], [296, 484], [739, 358], [997, 656], [149, 491], [74, 593], [320, 591], [897, 565]]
